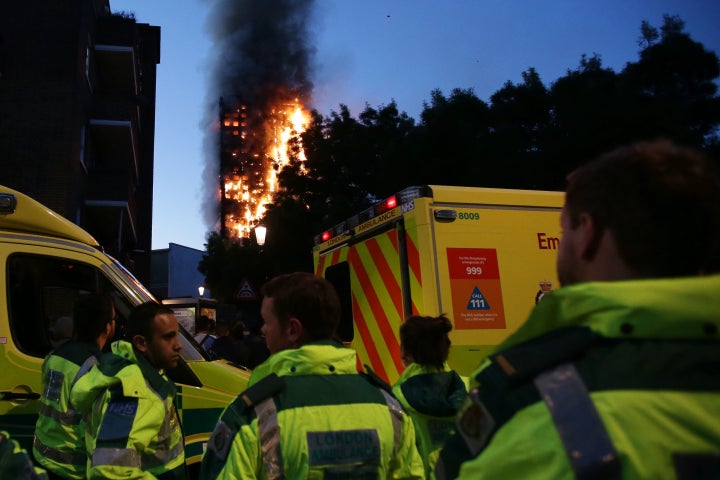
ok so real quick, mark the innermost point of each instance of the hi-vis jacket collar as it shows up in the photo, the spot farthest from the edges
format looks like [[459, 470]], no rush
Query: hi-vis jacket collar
[[675, 308]]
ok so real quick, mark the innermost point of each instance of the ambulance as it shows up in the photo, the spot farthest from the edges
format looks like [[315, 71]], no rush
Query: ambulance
[[46, 264], [483, 257]]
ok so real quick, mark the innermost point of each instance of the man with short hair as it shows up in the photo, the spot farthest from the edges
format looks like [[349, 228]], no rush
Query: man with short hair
[[615, 375], [308, 413], [133, 426], [59, 444]]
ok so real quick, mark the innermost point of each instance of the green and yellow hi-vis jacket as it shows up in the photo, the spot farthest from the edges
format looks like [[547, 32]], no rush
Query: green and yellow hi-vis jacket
[[59, 444], [605, 380], [133, 426], [432, 398], [313, 416]]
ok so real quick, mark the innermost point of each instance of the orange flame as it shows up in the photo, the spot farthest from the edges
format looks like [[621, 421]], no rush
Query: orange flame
[[250, 190]]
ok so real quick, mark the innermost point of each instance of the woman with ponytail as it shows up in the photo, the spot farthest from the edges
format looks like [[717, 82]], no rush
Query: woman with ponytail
[[429, 391]]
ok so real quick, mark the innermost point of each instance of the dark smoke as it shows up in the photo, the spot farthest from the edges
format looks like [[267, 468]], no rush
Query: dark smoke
[[261, 56]]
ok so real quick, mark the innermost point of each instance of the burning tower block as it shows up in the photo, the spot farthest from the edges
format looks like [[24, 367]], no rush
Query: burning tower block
[[253, 150]]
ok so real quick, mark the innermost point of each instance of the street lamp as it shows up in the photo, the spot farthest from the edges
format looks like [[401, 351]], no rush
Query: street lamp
[[201, 290], [260, 232]]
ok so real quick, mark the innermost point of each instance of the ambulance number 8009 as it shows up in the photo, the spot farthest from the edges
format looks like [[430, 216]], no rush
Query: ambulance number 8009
[[469, 216]]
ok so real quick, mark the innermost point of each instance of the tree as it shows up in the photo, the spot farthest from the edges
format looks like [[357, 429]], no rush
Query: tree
[[226, 263], [588, 116], [451, 140], [672, 88], [519, 118]]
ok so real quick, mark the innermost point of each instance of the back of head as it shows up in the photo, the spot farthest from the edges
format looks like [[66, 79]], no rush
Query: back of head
[[222, 329], [91, 314], [660, 201], [426, 340], [310, 299], [238, 329], [203, 324], [140, 321]]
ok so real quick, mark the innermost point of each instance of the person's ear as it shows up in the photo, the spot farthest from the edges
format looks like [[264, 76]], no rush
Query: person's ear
[[295, 331], [140, 343], [590, 236]]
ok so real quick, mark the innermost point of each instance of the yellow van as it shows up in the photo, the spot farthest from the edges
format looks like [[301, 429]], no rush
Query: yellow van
[[481, 256], [47, 263]]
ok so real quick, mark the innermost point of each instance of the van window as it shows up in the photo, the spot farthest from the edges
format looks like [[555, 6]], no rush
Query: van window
[[42, 292], [339, 276]]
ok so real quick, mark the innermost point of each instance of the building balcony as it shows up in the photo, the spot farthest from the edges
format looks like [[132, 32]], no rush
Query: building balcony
[[111, 208], [113, 128], [116, 61]]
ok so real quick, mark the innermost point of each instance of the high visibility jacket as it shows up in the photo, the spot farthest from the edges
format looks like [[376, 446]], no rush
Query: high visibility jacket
[[133, 427], [313, 416], [59, 442], [431, 398], [604, 380], [15, 463]]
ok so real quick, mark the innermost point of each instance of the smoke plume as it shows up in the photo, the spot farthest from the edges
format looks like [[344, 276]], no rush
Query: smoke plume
[[261, 57]]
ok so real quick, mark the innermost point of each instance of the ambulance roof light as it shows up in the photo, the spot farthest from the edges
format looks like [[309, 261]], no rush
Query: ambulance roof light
[[387, 204]]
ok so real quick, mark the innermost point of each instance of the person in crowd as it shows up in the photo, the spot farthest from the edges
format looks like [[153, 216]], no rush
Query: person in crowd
[[614, 375], [133, 426], [230, 343], [15, 463], [203, 332], [59, 444], [429, 391], [308, 413], [255, 341]]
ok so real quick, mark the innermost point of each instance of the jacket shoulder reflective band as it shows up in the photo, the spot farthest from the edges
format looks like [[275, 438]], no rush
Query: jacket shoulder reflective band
[[506, 387], [240, 412], [586, 441]]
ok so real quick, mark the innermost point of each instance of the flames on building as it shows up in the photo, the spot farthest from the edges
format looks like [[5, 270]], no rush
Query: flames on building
[[262, 68], [254, 147]]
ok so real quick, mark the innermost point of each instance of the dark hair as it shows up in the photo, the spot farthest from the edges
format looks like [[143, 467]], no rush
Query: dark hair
[[426, 340], [238, 329], [660, 201], [203, 323], [310, 299], [140, 321], [91, 314]]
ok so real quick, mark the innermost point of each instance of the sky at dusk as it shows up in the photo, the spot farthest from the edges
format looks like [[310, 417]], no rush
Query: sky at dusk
[[376, 51]]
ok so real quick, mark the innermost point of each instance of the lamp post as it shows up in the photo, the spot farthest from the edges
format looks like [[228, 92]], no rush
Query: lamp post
[[201, 291], [260, 232]]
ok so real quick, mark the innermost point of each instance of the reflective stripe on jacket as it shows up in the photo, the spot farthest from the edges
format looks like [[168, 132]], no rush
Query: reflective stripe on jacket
[[431, 398], [59, 443], [645, 354], [313, 416], [134, 431]]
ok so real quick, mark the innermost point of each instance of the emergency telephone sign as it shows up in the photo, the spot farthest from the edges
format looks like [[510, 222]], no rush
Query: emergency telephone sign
[[475, 286]]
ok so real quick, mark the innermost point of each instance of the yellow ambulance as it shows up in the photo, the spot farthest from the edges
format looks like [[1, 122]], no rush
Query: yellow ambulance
[[481, 256], [46, 264]]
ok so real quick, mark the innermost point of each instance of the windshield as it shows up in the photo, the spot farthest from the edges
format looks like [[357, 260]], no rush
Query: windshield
[[139, 290], [190, 351]]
